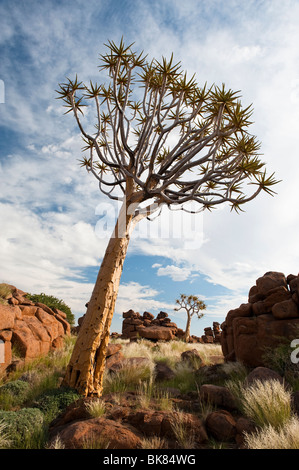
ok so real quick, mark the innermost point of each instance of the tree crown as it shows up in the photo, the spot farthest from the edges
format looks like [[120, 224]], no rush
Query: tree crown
[[175, 140], [192, 304]]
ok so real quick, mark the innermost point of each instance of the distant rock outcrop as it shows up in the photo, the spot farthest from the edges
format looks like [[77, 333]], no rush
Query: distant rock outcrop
[[30, 328], [270, 316], [162, 328]]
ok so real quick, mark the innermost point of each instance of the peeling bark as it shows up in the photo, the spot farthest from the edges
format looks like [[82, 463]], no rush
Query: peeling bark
[[86, 367]]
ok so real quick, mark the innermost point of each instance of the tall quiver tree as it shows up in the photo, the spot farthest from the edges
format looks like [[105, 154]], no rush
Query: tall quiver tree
[[193, 306], [159, 139]]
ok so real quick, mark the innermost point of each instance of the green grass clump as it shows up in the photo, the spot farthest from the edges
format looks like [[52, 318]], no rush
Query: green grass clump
[[24, 429], [53, 402]]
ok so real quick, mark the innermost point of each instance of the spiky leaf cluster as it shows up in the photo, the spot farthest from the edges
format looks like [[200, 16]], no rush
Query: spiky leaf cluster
[[192, 304], [175, 140]]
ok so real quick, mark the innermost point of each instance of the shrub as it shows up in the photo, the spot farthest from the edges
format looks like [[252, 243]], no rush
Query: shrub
[[279, 359], [53, 302], [267, 403], [14, 393], [25, 428], [53, 402]]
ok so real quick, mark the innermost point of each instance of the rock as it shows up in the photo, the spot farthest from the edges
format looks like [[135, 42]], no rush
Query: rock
[[113, 348], [163, 372], [53, 327], [57, 343], [156, 333], [32, 328], [262, 374], [161, 328], [114, 359], [28, 310], [162, 424], [218, 396], [7, 316], [192, 356], [243, 425], [28, 346], [221, 425], [274, 296], [271, 317], [99, 433], [130, 362], [148, 316], [285, 309], [269, 281]]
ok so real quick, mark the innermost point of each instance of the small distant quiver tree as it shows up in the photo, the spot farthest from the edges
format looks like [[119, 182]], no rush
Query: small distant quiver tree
[[160, 139], [193, 306]]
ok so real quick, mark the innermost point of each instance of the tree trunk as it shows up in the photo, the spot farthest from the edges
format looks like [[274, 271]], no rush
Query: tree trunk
[[187, 332], [87, 364]]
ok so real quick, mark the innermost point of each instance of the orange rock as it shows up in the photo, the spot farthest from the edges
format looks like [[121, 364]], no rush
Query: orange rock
[[7, 316]]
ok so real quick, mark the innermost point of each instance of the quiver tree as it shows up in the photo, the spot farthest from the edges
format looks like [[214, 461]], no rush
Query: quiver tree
[[159, 139], [193, 306]]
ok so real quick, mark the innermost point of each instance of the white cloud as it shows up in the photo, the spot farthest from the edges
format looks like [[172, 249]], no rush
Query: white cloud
[[176, 273], [140, 298]]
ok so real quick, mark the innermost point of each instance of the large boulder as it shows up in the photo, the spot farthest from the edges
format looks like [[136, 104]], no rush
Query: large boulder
[[270, 317], [98, 433], [32, 329], [156, 333]]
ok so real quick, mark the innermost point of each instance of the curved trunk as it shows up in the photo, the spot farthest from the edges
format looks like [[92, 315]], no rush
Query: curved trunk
[[87, 364]]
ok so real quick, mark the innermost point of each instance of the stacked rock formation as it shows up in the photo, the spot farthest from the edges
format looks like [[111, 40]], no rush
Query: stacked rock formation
[[162, 328], [31, 328], [212, 335], [147, 326], [270, 317]]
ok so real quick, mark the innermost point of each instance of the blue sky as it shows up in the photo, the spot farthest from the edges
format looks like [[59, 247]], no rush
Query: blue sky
[[51, 209]]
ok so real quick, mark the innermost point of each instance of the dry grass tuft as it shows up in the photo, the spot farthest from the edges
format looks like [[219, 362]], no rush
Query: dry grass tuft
[[269, 437]]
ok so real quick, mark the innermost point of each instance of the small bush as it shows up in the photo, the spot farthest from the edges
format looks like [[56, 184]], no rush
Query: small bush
[[25, 428], [53, 302], [53, 402], [14, 393], [279, 359]]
